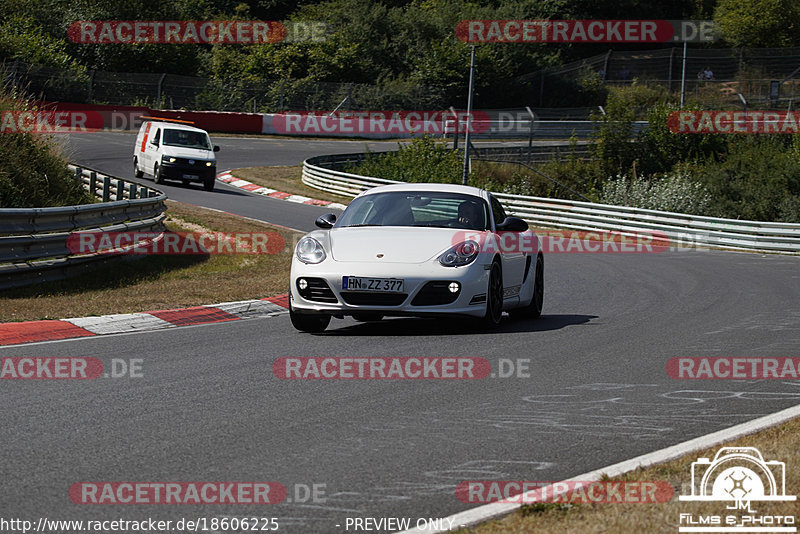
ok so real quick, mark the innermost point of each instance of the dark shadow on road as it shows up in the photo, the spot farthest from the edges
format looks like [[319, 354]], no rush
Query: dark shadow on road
[[412, 326]]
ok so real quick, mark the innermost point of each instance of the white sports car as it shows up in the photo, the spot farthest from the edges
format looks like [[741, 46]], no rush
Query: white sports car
[[418, 250]]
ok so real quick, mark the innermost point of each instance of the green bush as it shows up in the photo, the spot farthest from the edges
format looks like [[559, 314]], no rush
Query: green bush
[[675, 191], [33, 173], [660, 149], [612, 136], [422, 160], [758, 179], [571, 178]]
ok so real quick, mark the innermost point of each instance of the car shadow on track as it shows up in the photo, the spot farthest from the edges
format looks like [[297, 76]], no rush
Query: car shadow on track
[[447, 326]]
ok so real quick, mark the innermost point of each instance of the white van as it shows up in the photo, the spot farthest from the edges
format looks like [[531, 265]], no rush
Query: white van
[[174, 150]]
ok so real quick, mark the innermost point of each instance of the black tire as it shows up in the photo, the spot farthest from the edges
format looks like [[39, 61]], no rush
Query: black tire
[[534, 309], [136, 172], [309, 323], [367, 317], [494, 296], [208, 184], [157, 178]]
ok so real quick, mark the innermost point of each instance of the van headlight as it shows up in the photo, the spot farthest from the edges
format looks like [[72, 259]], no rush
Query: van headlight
[[209, 163], [168, 159], [309, 250]]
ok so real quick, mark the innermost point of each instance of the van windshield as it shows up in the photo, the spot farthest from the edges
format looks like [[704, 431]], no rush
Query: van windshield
[[187, 139]]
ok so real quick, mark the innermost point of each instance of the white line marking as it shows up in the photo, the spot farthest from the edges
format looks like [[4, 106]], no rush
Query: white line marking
[[495, 510]]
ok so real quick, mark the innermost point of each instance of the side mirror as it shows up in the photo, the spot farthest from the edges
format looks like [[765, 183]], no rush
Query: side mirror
[[154, 142], [512, 224], [216, 148], [326, 221]]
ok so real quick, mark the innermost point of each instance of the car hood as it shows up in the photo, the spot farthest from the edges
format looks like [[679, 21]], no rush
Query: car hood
[[397, 244], [189, 153]]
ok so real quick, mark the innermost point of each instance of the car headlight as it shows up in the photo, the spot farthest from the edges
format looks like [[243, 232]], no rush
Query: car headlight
[[168, 159], [460, 255], [309, 250], [209, 163]]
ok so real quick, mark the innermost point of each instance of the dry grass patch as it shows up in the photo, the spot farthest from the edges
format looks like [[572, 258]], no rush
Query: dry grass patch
[[146, 283], [779, 443], [286, 179]]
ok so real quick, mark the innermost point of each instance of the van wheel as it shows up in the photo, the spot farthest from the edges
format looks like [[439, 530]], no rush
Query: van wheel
[[208, 184], [157, 178], [136, 172]]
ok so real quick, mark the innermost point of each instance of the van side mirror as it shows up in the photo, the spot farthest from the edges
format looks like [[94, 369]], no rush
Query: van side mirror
[[326, 221], [216, 148], [154, 142]]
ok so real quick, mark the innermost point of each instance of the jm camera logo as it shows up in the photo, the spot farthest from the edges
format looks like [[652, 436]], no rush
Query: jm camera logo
[[739, 476]]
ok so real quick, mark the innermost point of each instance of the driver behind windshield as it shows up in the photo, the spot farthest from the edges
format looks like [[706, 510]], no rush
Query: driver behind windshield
[[470, 214], [185, 138]]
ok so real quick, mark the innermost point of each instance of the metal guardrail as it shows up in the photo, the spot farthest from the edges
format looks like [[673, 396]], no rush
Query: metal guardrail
[[679, 228], [321, 171], [532, 154], [33, 241], [548, 129]]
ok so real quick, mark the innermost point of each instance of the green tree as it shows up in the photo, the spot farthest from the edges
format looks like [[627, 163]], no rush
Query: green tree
[[759, 23], [22, 39]]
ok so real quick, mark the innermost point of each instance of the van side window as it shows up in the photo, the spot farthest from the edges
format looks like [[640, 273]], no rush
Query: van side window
[[157, 137]]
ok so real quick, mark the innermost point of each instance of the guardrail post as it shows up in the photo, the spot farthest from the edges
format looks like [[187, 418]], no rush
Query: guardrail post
[[120, 190], [455, 132], [530, 132], [158, 90], [144, 192], [131, 190], [106, 189], [78, 174], [93, 183]]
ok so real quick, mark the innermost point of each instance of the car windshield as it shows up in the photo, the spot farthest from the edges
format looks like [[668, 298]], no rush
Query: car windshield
[[187, 139], [417, 208]]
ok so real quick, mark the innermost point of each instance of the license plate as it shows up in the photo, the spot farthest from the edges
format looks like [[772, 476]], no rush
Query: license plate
[[191, 176], [358, 283]]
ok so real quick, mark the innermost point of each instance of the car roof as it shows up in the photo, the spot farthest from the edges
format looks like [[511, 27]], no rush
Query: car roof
[[444, 188], [176, 126]]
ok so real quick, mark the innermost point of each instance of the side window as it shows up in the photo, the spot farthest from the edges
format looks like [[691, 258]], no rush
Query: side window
[[157, 137], [497, 211]]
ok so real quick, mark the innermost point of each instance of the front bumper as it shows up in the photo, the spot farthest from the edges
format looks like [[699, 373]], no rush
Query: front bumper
[[426, 289], [197, 172]]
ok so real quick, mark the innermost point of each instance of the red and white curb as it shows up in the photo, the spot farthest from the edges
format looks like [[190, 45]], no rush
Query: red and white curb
[[230, 179], [52, 330]]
